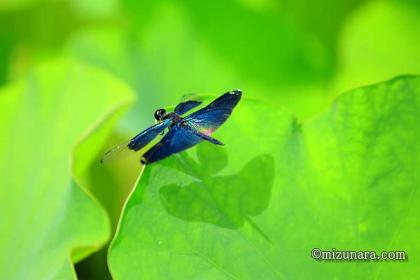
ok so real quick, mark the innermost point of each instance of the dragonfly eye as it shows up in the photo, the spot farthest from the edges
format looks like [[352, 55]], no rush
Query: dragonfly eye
[[159, 113]]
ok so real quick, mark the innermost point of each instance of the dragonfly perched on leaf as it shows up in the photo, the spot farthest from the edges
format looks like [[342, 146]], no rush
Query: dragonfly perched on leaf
[[182, 132]]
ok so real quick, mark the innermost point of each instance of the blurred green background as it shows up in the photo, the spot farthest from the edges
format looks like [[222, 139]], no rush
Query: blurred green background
[[297, 55]]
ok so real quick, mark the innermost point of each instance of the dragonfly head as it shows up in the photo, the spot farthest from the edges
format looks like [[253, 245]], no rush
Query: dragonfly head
[[159, 114]]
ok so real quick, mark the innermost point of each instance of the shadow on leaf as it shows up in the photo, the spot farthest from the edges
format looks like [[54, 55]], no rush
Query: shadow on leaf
[[226, 200]]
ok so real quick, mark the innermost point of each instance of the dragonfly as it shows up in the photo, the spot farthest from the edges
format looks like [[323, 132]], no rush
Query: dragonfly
[[181, 132]]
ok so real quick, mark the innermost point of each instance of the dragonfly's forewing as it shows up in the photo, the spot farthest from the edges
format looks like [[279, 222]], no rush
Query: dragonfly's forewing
[[211, 117], [187, 103]]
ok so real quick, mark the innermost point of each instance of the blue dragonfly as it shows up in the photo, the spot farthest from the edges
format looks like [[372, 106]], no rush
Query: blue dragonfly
[[182, 132]]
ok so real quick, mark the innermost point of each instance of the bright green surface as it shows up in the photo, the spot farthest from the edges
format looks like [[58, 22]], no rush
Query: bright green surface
[[378, 42], [255, 208], [45, 217], [296, 55]]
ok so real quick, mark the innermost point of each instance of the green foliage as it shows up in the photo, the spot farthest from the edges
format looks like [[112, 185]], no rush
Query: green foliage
[[256, 207], [289, 178], [379, 42], [46, 217]]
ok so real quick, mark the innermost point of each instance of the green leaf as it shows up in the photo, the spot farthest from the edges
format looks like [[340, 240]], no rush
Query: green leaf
[[11, 5], [379, 41], [46, 219], [255, 208]]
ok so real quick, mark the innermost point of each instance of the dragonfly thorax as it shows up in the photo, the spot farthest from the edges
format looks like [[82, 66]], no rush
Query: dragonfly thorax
[[161, 115], [175, 118]]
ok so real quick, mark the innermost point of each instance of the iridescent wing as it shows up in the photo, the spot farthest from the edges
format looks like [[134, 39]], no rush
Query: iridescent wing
[[211, 117], [147, 135], [136, 143], [187, 103], [184, 107], [205, 136], [175, 140]]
